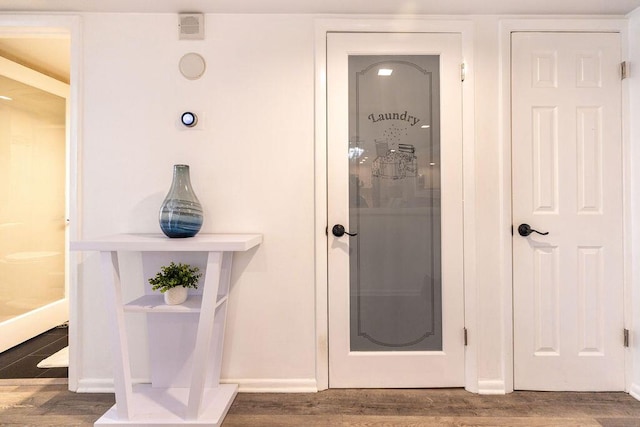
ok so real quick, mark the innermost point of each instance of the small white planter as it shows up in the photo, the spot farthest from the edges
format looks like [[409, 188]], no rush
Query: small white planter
[[176, 295]]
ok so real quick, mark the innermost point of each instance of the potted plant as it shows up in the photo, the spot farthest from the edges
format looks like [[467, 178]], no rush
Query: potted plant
[[174, 280]]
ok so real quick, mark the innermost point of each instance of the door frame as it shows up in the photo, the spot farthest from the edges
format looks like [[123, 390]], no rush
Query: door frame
[[508, 26], [398, 25], [32, 25]]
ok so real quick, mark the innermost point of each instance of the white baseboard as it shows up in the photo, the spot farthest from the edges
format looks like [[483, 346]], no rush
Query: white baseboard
[[293, 385], [95, 385], [491, 387], [634, 391]]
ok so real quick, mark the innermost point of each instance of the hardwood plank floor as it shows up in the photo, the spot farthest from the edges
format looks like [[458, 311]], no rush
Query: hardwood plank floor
[[52, 405], [442, 407]]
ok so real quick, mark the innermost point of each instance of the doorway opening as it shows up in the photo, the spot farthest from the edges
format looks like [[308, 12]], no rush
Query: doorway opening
[[35, 188]]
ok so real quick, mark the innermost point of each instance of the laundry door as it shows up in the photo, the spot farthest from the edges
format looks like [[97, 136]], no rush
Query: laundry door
[[396, 313], [567, 211]]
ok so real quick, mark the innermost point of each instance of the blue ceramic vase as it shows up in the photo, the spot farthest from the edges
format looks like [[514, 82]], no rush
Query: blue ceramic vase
[[181, 211]]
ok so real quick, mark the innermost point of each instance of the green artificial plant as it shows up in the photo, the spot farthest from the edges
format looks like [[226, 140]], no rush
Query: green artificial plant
[[174, 275]]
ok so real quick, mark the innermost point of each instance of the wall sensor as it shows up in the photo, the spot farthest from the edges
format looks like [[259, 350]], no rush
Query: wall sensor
[[189, 119]]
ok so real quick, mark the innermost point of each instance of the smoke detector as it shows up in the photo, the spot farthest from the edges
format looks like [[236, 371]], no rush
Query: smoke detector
[[191, 26]]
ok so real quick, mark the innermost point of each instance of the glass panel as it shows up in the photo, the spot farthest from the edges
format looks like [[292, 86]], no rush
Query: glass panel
[[32, 195], [394, 198]]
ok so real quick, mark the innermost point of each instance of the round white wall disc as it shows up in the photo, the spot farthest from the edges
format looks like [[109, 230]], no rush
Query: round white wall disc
[[192, 66]]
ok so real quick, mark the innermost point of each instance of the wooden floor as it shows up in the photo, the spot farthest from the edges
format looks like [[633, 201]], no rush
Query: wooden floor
[[53, 405]]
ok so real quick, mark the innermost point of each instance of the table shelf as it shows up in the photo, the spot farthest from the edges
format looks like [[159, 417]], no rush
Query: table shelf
[[156, 304], [161, 243]]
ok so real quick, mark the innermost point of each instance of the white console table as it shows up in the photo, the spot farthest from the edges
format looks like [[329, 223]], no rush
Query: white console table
[[185, 389]]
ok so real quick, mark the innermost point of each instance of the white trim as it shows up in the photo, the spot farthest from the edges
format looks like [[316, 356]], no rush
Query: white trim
[[627, 209], [274, 385], [633, 84], [25, 326], [103, 385], [54, 26], [634, 391], [507, 26], [397, 24], [491, 387], [247, 385], [320, 202], [94, 385], [33, 78], [469, 214]]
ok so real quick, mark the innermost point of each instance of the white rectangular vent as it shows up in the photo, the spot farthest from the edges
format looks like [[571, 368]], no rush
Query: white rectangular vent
[[191, 26]]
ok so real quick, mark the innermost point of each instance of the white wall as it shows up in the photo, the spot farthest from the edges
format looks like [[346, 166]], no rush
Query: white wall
[[252, 169], [490, 328]]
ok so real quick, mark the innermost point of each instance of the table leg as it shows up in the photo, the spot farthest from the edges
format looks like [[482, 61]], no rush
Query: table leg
[[118, 334], [201, 357]]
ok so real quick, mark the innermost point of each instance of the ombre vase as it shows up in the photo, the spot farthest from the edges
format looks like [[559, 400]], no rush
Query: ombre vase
[[181, 211]]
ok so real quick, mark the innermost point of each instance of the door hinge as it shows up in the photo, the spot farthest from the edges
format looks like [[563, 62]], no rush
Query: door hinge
[[624, 70], [465, 336], [463, 71], [626, 337]]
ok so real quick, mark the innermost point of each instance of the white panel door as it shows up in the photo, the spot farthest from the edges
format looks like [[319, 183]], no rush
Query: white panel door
[[567, 182], [396, 312]]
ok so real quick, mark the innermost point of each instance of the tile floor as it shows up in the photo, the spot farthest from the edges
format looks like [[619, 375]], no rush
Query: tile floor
[[21, 361]]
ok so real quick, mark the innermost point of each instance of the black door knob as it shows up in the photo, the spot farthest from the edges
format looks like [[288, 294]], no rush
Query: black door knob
[[339, 231], [525, 229]]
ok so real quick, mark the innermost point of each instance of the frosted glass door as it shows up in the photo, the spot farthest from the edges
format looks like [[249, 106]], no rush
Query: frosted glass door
[[394, 203], [394, 175]]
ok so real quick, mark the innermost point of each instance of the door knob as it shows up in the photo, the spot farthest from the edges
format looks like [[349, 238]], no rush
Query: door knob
[[339, 231], [525, 229]]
